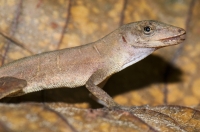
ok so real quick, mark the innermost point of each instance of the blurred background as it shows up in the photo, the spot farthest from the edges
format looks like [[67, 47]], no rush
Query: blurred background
[[169, 76]]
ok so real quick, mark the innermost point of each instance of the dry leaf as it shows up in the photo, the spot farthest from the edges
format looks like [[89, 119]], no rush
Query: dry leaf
[[61, 117], [169, 76]]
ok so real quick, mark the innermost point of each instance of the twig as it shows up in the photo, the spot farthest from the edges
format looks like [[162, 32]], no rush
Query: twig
[[122, 12], [177, 53], [61, 117], [15, 41], [13, 29], [66, 23]]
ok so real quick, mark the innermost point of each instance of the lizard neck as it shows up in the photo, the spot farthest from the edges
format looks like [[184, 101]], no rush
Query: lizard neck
[[122, 54], [117, 52]]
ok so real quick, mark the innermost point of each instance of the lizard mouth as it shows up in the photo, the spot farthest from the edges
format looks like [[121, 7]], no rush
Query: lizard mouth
[[160, 43], [174, 40]]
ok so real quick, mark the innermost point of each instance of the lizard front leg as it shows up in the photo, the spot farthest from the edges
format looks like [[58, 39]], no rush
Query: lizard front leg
[[92, 83]]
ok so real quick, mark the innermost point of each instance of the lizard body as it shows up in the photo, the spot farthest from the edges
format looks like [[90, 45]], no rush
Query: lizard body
[[92, 63]]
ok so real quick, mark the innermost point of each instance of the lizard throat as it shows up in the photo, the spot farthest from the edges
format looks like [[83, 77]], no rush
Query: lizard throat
[[139, 54]]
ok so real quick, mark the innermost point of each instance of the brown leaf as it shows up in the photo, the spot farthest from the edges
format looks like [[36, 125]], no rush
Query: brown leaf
[[169, 76], [32, 117], [62, 117]]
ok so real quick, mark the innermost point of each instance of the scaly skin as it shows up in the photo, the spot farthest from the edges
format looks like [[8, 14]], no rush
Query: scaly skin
[[92, 63]]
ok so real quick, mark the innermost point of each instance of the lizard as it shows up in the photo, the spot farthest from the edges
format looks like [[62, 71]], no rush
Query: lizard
[[92, 63]]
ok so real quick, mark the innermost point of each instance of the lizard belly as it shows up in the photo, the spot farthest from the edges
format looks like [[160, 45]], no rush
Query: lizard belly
[[70, 77], [39, 77]]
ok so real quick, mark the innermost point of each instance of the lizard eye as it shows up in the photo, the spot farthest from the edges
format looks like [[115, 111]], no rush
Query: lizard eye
[[147, 30]]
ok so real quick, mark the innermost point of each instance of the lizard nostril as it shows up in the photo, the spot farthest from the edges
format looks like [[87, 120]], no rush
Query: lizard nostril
[[182, 31]]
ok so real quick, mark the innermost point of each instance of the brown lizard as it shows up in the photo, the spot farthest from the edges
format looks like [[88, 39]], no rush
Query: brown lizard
[[92, 63]]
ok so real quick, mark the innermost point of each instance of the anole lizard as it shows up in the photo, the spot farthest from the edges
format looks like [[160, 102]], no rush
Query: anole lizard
[[92, 63]]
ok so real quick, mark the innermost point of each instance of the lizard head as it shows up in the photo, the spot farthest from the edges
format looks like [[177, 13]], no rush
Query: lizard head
[[153, 34]]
